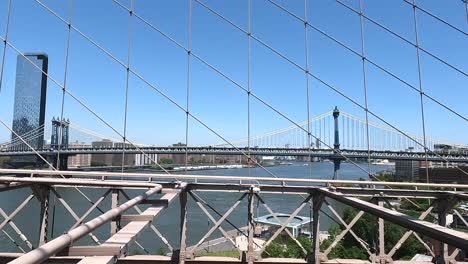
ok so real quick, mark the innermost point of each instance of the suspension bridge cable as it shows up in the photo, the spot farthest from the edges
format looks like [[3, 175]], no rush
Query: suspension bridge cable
[[423, 120], [401, 37], [364, 83], [81, 102], [466, 9], [187, 110], [47, 162], [65, 75], [6, 42], [68, 91], [198, 120], [134, 73], [306, 55], [127, 75], [306, 51], [282, 130], [31, 136], [389, 129], [435, 17], [222, 74], [371, 61], [314, 76], [249, 6], [7, 30], [89, 132], [30, 132]]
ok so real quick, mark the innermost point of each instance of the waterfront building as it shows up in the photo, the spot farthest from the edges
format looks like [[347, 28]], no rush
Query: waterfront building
[[407, 170], [102, 159], [79, 160]]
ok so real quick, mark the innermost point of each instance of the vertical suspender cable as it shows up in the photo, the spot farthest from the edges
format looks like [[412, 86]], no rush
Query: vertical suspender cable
[[65, 74], [466, 9], [249, 25], [361, 22], [127, 72], [420, 88], [7, 30], [187, 111], [306, 46]]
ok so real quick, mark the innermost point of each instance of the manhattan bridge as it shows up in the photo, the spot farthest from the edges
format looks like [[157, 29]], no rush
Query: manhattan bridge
[[55, 214]]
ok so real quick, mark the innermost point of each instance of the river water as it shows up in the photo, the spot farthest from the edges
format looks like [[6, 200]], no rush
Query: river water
[[168, 221]]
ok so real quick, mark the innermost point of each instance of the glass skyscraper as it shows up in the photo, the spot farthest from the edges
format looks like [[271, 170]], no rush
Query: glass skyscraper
[[30, 101]]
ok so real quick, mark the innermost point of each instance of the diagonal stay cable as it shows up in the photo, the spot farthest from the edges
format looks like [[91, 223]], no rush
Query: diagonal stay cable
[[7, 30], [414, 88], [436, 17], [323, 82], [388, 30]]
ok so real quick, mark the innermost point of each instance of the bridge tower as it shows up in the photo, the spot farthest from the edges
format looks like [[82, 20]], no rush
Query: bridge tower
[[60, 127], [58, 124], [336, 144]]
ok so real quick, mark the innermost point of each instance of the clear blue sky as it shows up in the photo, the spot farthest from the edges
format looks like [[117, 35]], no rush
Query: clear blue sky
[[100, 82]]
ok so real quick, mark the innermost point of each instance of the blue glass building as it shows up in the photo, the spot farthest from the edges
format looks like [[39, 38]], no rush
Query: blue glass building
[[30, 101]]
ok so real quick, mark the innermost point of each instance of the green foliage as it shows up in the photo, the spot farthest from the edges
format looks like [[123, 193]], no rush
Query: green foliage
[[285, 247], [160, 251], [165, 161], [4, 161], [231, 254], [367, 229], [386, 176]]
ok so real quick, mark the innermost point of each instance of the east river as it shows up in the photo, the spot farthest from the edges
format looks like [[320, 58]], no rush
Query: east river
[[168, 221]]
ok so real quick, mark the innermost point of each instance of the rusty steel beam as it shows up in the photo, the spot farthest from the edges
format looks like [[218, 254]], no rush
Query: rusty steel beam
[[437, 232]]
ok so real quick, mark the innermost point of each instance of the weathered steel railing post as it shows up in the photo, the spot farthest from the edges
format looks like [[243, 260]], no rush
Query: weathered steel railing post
[[114, 225], [42, 194], [183, 226], [251, 227], [443, 207], [382, 257], [316, 256]]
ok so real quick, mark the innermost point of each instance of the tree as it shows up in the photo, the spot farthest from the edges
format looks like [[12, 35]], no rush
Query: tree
[[367, 229], [284, 247]]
